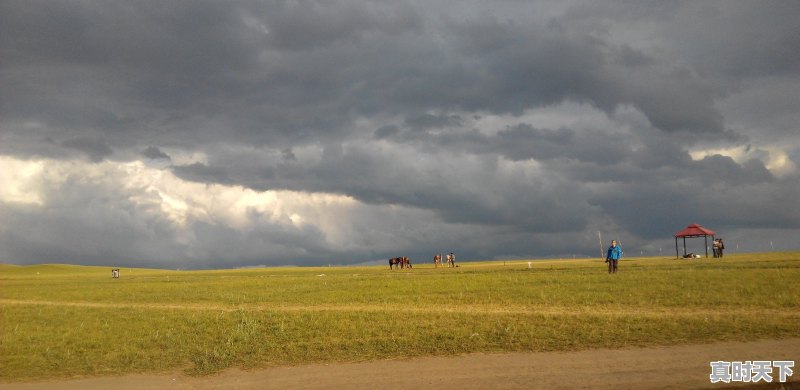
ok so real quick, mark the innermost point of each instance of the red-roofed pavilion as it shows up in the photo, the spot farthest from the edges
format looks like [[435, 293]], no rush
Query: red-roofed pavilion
[[691, 231]]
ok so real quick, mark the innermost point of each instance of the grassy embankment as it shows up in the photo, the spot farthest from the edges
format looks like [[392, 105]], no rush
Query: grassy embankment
[[66, 321]]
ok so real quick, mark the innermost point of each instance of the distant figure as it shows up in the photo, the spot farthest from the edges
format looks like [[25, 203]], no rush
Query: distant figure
[[612, 257], [715, 247], [437, 259], [452, 260], [115, 273], [720, 248]]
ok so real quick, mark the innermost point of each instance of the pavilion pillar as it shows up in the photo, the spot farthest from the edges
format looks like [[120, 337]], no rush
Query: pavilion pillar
[[676, 248], [684, 245]]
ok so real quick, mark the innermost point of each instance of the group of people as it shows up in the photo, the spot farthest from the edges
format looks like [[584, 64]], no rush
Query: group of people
[[717, 246], [450, 258], [613, 254]]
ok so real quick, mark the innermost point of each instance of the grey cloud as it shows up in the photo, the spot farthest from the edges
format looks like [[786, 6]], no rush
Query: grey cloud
[[155, 153], [386, 102], [542, 66], [756, 50], [477, 192], [433, 121], [720, 39], [714, 189], [292, 26], [85, 222], [96, 149], [631, 58], [202, 173], [95, 222], [794, 155], [288, 155], [386, 131], [457, 193], [723, 169], [520, 142], [246, 74]]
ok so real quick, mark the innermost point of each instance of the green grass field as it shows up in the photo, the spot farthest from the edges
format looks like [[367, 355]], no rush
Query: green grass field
[[59, 321]]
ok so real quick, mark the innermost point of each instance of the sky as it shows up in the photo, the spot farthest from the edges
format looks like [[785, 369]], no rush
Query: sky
[[221, 134]]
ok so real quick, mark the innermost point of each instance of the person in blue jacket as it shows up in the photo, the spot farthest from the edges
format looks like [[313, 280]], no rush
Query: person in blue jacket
[[612, 256]]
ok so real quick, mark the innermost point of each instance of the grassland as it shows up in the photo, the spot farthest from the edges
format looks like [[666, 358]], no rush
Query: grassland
[[59, 321]]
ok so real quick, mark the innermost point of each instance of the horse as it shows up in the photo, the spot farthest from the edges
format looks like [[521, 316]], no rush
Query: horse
[[399, 262]]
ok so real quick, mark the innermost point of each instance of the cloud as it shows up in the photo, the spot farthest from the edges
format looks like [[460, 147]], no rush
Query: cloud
[[95, 149], [502, 128], [155, 153]]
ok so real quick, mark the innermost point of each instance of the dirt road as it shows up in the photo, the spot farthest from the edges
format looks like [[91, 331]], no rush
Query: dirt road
[[677, 367]]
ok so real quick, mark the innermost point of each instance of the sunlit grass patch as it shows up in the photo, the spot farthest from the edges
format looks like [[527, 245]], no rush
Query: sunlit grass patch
[[78, 321]]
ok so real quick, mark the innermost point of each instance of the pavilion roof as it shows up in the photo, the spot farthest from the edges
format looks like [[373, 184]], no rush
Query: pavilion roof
[[695, 230]]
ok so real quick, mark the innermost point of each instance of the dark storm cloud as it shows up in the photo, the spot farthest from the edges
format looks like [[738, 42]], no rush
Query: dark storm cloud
[[264, 73], [519, 142], [764, 41], [529, 66], [715, 190], [456, 192], [283, 74], [387, 103], [720, 39], [432, 121], [96, 149], [155, 153]]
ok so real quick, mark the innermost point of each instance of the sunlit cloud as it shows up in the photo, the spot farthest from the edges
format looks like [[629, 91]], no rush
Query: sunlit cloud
[[775, 159], [18, 180]]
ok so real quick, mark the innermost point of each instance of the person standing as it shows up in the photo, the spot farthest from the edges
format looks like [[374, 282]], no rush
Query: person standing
[[612, 256], [720, 247], [715, 247]]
